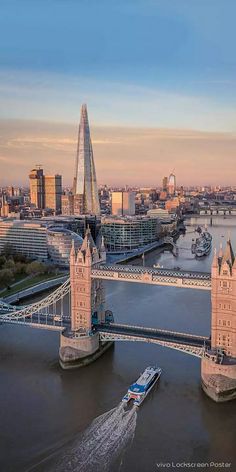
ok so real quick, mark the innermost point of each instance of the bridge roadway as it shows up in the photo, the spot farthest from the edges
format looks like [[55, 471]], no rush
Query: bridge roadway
[[40, 320], [127, 331], [155, 276]]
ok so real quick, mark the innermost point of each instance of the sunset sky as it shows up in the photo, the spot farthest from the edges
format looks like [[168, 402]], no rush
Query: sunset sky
[[158, 76]]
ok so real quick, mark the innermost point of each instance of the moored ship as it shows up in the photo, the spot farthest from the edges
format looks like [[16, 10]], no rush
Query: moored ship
[[140, 389], [203, 244]]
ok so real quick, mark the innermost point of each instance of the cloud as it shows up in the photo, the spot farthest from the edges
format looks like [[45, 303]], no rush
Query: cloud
[[57, 98], [140, 156]]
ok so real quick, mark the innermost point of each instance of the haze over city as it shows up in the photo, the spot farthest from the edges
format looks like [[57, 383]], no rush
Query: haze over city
[[158, 78]]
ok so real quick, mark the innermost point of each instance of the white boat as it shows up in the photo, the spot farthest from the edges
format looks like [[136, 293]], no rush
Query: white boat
[[140, 389]]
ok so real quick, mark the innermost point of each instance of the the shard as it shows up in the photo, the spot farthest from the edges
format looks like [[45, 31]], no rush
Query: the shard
[[85, 189]]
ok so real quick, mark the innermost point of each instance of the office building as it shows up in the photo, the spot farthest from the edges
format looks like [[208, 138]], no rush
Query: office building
[[164, 184], [36, 178], [172, 184], [59, 245], [123, 203], [21, 237], [126, 233], [45, 190], [53, 191]]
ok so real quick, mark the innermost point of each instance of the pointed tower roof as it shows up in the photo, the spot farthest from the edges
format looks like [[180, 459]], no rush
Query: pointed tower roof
[[215, 262], [72, 251], [228, 255], [220, 255], [88, 242]]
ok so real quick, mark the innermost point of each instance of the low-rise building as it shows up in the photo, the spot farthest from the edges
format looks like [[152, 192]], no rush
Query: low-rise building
[[23, 237], [59, 245], [126, 233]]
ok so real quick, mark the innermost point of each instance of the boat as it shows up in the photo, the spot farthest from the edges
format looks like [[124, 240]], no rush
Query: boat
[[157, 266], [207, 235], [140, 389], [202, 247]]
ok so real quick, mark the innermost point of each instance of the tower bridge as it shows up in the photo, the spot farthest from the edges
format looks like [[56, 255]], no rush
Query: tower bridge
[[90, 329]]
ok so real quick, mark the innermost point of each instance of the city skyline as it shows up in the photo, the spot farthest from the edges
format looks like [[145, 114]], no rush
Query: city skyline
[[153, 153], [170, 71]]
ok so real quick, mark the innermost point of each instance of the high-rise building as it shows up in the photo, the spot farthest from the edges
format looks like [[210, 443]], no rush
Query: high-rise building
[[53, 191], [164, 184], [85, 188], [67, 205], [172, 184], [45, 190], [37, 187], [123, 203]]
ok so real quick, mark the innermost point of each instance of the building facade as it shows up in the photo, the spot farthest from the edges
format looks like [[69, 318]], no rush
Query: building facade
[[53, 191], [59, 245], [29, 239], [123, 203], [45, 190], [128, 233], [171, 184], [36, 179]]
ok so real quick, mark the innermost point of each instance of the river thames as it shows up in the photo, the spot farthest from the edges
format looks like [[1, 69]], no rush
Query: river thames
[[46, 412]]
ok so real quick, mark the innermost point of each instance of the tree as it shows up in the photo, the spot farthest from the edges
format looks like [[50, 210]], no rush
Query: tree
[[2, 260], [10, 264], [51, 269], [6, 277], [20, 268], [36, 267]]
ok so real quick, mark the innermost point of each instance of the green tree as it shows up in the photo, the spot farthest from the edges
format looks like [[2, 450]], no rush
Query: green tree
[[6, 277], [2, 261], [20, 257], [10, 264], [20, 268], [51, 269], [36, 267]]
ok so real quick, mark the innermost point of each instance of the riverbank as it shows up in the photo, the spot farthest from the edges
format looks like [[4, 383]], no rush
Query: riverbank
[[36, 287]]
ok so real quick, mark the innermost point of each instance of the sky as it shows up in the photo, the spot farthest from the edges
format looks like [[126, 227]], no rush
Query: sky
[[158, 76]]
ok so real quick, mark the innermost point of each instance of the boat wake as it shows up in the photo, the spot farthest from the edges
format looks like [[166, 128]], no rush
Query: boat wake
[[102, 443]]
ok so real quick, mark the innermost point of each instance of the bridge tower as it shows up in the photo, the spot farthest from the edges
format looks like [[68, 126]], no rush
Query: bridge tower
[[87, 295], [219, 363], [81, 345]]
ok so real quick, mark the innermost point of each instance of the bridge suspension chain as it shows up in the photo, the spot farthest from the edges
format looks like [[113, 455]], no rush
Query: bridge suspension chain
[[29, 310]]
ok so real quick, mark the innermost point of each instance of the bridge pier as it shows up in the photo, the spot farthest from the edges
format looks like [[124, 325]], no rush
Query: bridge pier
[[79, 351], [218, 380]]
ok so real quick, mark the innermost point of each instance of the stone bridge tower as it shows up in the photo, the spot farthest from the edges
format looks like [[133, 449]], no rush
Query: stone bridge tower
[[80, 345], [219, 364], [87, 295]]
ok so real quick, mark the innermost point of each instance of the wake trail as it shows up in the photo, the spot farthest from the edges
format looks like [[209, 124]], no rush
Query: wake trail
[[101, 443]]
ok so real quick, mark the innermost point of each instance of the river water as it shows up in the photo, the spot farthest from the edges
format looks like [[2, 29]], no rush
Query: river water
[[55, 420]]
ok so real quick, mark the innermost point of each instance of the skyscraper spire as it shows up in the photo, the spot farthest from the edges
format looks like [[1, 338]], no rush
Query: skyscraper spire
[[85, 182]]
